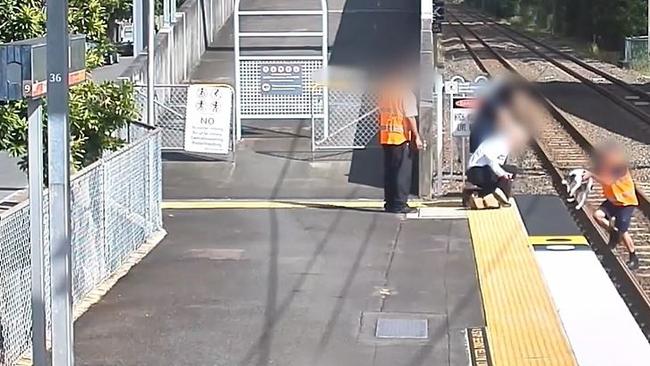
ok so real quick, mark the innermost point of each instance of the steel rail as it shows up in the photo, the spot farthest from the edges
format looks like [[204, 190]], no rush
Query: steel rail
[[630, 289]]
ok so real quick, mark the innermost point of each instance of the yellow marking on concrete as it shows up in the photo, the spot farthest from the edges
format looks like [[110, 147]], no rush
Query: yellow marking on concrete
[[523, 326], [285, 204], [558, 240]]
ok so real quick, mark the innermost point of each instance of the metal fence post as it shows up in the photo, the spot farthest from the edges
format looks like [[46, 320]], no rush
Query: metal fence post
[[427, 58], [439, 130], [237, 71], [35, 156], [325, 53], [150, 62]]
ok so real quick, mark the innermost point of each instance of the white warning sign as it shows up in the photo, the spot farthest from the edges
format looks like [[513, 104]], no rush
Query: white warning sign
[[462, 115], [208, 119]]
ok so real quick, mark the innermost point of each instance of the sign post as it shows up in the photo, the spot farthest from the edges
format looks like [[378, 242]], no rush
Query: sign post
[[35, 156], [59, 181], [462, 104], [26, 74]]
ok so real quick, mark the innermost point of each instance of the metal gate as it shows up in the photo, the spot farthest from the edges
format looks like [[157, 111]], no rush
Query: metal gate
[[347, 120], [276, 83]]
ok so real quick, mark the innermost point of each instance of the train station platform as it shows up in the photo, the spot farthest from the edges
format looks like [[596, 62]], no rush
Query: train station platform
[[340, 283], [301, 286]]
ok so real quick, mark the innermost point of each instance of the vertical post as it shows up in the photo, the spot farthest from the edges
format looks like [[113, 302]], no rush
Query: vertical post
[[325, 53], [167, 12], [35, 156], [138, 28], [425, 125], [58, 48], [237, 71], [151, 33], [439, 129], [648, 27]]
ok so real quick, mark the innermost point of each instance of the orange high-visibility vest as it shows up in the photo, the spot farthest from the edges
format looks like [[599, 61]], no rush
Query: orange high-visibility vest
[[393, 128], [621, 192]]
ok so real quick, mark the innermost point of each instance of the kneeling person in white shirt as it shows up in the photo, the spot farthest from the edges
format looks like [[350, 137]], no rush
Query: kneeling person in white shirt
[[487, 169]]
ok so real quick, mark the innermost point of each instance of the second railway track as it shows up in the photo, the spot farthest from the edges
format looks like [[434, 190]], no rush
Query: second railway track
[[562, 147]]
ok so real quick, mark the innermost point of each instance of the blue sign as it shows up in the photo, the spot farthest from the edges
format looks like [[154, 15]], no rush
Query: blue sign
[[281, 79]]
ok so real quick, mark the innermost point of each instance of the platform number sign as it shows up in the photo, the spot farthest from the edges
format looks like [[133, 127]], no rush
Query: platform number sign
[[438, 16]]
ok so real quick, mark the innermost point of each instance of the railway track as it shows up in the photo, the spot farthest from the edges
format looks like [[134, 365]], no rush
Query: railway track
[[562, 147]]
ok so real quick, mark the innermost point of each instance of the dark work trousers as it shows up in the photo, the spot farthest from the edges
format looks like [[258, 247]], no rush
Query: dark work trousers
[[484, 178], [397, 175]]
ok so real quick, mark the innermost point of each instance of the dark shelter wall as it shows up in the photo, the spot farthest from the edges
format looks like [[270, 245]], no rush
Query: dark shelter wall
[[375, 32], [374, 35]]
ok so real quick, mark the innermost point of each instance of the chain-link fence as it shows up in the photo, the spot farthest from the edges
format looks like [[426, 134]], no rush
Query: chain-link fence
[[636, 51], [170, 107], [350, 121], [115, 207], [170, 111]]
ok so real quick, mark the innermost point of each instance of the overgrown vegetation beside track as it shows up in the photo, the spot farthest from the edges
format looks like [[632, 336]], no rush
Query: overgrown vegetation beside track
[[605, 23]]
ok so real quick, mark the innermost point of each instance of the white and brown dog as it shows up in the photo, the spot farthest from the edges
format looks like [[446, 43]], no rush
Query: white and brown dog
[[578, 187]]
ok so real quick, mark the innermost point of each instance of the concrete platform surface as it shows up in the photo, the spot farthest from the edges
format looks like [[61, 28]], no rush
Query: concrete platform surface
[[288, 287], [273, 165]]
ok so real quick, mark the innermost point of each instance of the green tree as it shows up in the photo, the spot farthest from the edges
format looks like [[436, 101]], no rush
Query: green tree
[[606, 22], [97, 110]]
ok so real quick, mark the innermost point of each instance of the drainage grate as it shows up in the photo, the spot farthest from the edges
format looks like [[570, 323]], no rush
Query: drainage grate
[[402, 328]]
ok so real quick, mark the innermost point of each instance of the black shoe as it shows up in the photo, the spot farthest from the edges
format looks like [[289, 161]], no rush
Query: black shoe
[[408, 210], [613, 239], [633, 262], [402, 210]]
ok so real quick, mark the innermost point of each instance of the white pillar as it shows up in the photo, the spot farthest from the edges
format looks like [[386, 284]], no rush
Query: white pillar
[[151, 77], [35, 156], [138, 27]]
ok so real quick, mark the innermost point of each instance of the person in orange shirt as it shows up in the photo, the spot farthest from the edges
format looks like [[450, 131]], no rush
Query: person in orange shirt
[[397, 132], [615, 213]]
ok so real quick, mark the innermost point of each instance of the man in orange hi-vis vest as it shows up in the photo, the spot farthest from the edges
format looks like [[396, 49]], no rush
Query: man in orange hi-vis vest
[[615, 213], [397, 131]]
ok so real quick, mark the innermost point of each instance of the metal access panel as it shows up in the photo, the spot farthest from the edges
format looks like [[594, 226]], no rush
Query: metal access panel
[[23, 67]]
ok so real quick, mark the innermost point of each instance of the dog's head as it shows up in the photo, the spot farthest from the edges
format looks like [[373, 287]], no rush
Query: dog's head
[[578, 186]]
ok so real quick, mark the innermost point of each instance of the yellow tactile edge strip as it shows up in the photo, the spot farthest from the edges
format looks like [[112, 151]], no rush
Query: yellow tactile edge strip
[[290, 204], [522, 324], [102, 289]]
